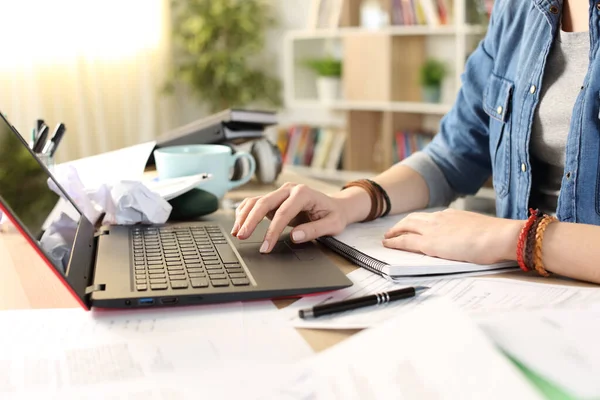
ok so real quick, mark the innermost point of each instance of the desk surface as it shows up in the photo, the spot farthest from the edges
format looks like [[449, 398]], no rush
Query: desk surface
[[26, 282]]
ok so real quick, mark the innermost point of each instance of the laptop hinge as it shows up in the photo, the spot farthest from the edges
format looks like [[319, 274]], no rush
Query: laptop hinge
[[95, 288], [103, 230]]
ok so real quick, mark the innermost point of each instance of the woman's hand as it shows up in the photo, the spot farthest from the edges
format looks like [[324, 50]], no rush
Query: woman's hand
[[312, 213], [456, 235]]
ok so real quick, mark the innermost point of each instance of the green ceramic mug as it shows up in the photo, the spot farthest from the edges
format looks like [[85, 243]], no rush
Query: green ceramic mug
[[217, 160]]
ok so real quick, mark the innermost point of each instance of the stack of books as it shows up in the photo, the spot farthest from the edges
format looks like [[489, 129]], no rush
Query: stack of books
[[422, 12], [407, 143], [315, 147]]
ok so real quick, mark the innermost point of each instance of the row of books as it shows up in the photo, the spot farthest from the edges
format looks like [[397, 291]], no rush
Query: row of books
[[438, 12], [310, 146], [407, 143], [422, 12]]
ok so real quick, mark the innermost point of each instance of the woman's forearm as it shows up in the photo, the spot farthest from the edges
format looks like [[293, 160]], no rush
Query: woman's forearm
[[572, 250], [406, 188], [568, 249]]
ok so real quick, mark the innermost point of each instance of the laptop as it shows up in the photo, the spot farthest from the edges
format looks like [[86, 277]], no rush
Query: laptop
[[149, 265]]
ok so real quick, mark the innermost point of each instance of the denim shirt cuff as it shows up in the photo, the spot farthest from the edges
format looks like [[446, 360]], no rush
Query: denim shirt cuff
[[440, 192]]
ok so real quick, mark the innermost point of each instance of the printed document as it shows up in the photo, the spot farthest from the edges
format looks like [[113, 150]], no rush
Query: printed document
[[215, 352], [435, 352], [475, 295]]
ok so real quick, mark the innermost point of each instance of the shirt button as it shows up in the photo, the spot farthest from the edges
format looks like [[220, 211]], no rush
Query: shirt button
[[499, 110], [523, 167], [532, 89], [598, 6], [554, 9]]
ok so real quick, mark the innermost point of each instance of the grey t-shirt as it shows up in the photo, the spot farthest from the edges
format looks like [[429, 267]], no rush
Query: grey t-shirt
[[563, 77]]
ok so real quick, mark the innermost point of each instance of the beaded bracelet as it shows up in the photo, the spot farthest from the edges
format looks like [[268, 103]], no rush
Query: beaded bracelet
[[539, 239]]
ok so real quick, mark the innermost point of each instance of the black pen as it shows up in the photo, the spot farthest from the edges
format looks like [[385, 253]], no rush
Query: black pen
[[40, 140], [35, 131], [52, 145], [364, 301]]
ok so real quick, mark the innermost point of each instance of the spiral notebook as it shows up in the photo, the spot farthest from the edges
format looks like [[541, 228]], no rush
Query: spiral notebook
[[361, 244]]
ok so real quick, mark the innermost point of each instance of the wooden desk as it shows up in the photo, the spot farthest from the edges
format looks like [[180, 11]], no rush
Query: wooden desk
[[26, 282]]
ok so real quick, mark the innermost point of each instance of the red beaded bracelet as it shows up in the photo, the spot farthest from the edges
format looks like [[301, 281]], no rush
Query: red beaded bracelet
[[523, 238]]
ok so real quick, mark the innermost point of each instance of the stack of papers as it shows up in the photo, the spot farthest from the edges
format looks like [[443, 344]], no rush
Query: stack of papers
[[215, 352], [432, 353], [478, 296]]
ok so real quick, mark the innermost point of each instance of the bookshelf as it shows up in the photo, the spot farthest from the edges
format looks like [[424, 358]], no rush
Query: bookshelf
[[380, 93]]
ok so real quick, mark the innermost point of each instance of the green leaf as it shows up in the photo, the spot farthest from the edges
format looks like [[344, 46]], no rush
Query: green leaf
[[325, 66], [216, 48], [432, 73]]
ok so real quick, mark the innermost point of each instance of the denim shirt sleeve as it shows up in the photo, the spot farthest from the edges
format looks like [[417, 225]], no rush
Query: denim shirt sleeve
[[461, 148]]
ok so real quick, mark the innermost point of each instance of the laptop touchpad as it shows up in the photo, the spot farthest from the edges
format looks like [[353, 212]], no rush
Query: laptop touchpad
[[282, 252]]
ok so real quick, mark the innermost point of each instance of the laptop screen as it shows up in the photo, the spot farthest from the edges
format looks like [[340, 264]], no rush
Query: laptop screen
[[24, 188]]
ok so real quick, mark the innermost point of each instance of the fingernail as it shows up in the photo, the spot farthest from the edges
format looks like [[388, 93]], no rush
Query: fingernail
[[298, 236], [236, 226], [242, 232], [264, 247]]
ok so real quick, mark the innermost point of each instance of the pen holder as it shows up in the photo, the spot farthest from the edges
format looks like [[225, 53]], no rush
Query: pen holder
[[47, 160]]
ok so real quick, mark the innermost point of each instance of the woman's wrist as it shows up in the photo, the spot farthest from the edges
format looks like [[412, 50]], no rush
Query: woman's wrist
[[509, 239], [354, 203]]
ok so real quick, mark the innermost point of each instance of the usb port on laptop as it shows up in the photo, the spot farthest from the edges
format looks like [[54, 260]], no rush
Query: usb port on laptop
[[146, 302]]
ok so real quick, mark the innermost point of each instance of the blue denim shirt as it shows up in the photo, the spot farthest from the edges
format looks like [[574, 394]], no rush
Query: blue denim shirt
[[488, 130]]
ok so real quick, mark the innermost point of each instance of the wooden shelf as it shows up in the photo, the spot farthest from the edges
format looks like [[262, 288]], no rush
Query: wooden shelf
[[412, 30], [394, 106], [330, 175]]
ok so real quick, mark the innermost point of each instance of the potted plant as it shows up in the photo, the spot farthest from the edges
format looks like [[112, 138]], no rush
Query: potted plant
[[329, 72], [217, 52], [432, 75]]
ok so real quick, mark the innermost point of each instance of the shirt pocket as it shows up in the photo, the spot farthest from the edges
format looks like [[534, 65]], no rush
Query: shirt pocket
[[497, 99]]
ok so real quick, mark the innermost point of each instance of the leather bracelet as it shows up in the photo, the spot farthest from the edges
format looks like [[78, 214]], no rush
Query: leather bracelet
[[523, 238], [372, 192], [530, 243], [539, 239], [386, 198]]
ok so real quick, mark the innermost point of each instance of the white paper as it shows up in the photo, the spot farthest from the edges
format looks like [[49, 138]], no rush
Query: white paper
[[560, 345], [218, 351], [170, 188], [122, 203], [135, 203], [474, 295], [433, 353], [123, 164]]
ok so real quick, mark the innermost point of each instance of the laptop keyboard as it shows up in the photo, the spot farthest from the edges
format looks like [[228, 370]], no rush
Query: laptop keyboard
[[184, 257]]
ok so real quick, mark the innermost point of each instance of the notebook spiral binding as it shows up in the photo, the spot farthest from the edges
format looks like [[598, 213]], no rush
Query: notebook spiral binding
[[353, 255]]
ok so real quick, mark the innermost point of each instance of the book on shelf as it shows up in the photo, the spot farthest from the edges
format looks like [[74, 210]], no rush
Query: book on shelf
[[422, 12], [407, 143], [315, 147]]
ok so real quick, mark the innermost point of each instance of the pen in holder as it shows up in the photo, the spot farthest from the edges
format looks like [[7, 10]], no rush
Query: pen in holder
[[47, 159]]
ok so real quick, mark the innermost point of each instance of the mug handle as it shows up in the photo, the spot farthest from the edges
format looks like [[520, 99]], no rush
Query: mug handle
[[246, 178]]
